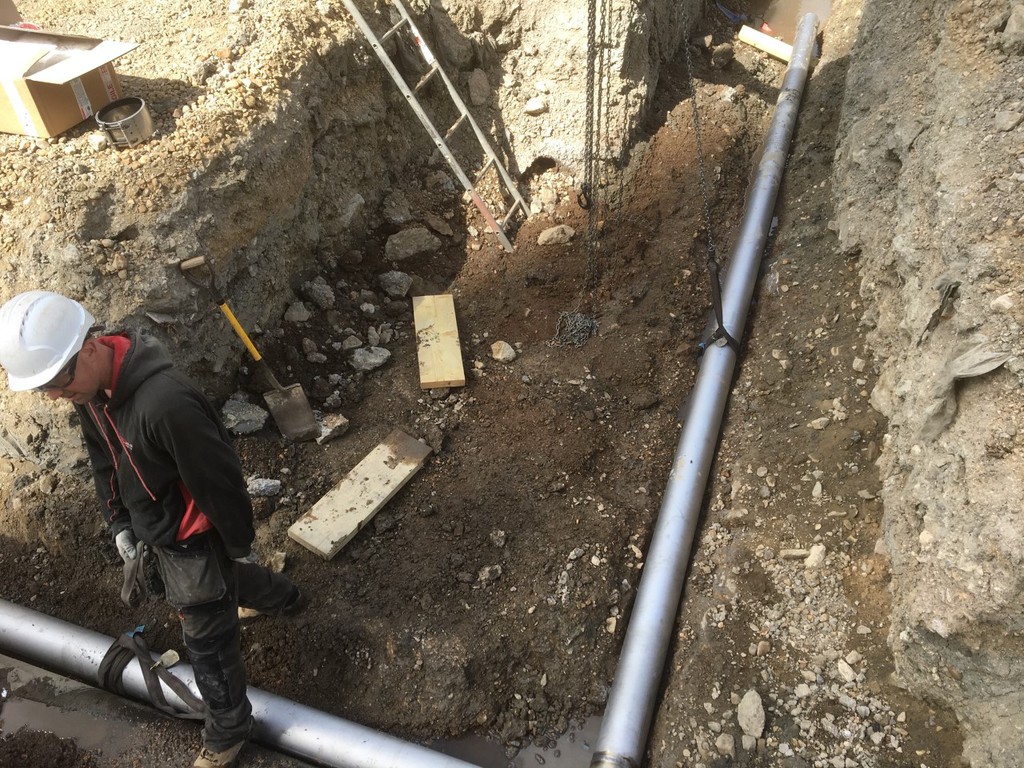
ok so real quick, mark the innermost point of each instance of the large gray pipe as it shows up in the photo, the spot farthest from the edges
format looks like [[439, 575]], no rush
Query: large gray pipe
[[627, 718], [280, 723]]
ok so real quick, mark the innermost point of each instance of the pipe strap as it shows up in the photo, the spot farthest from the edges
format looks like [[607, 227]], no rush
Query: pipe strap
[[132, 645]]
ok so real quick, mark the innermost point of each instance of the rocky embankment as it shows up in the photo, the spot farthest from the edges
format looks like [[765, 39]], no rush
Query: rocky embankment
[[929, 179]]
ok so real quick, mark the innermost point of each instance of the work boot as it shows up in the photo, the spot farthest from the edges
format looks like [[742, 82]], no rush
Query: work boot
[[296, 605], [222, 759]]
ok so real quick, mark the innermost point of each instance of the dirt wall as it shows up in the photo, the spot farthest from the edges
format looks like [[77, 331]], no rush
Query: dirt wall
[[928, 180], [279, 140]]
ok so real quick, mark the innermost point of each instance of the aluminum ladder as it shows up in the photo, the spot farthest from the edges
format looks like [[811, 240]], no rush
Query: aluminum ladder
[[498, 224]]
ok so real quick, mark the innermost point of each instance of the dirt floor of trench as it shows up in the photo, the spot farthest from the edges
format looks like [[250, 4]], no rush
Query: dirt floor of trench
[[552, 466]]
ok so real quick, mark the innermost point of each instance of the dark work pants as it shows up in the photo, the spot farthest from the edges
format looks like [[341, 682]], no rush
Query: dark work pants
[[210, 627]]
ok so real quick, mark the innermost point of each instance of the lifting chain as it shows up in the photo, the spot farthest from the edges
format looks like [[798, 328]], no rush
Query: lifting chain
[[575, 328], [701, 164], [714, 267]]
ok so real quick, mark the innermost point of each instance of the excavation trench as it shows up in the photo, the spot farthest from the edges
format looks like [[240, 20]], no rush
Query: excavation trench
[[309, 734], [420, 673], [471, 602]]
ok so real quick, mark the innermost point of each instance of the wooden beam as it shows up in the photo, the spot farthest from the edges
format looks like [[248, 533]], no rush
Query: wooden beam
[[437, 342], [769, 45], [340, 514]]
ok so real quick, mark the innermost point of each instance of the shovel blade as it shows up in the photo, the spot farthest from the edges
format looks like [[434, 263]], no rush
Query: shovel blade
[[292, 413]]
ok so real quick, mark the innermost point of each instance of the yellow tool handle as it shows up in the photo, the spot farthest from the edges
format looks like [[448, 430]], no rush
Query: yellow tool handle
[[240, 331]]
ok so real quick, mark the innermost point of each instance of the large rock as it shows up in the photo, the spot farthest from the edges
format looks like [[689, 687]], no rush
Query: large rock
[[479, 88], [1013, 33]]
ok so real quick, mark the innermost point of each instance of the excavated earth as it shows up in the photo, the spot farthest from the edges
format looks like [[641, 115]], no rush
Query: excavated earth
[[490, 597]]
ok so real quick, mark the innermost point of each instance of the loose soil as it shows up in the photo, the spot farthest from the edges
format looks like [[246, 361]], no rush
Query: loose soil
[[491, 595]]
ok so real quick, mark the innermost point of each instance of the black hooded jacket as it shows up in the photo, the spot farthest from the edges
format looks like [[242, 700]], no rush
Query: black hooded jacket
[[158, 441]]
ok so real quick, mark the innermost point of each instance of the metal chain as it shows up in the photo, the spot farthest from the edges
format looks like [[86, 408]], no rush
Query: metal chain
[[700, 154], [719, 334], [575, 328], [587, 188]]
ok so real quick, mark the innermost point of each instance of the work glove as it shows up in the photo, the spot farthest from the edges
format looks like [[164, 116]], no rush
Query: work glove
[[127, 545], [249, 559]]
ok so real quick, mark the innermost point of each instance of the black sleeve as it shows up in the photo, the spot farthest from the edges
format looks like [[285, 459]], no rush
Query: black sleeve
[[103, 475], [187, 428]]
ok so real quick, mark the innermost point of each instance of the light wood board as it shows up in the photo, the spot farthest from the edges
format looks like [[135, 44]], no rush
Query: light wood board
[[339, 515], [437, 342], [769, 45]]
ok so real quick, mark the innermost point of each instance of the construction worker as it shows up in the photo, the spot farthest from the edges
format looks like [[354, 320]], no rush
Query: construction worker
[[167, 477]]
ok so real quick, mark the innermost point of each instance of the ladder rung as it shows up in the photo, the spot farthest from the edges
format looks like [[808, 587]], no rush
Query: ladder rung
[[455, 126], [511, 213], [485, 169], [426, 77], [392, 31]]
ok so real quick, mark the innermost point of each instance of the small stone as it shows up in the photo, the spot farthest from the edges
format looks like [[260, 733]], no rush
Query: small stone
[[536, 106], [726, 745], [816, 556], [98, 141], [1007, 121], [503, 352], [368, 359], [333, 425], [259, 486], [489, 574], [479, 87], [557, 235], [297, 313], [411, 242], [794, 554], [242, 418], [846, 671], [750, 714], [395, 284], [1002, 303]]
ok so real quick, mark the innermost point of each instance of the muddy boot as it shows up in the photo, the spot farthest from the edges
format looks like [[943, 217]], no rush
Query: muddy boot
[[296, 604], [222, 759]]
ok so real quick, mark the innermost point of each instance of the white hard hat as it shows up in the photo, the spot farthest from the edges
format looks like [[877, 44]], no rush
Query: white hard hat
[[40, 332]]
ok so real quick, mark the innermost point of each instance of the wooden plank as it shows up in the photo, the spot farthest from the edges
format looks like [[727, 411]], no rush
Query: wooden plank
[[769, 45], [437, 342], [339, 515]]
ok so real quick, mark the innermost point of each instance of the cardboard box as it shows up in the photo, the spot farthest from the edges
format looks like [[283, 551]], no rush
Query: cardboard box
[[51, 82], [8, 12]]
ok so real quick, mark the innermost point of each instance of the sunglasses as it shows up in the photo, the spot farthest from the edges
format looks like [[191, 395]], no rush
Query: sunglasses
[[63, 379]]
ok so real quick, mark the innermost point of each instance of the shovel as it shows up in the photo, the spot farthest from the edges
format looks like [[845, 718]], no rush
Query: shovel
[[288, 405]]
